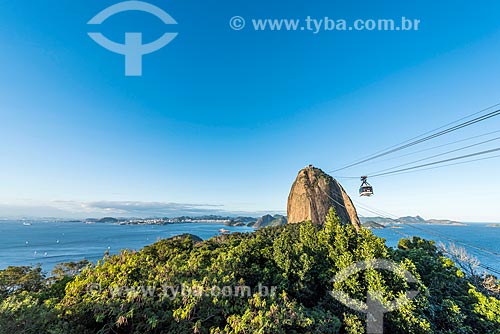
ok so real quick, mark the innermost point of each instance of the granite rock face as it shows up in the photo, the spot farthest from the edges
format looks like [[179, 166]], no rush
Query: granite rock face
[[313, 194], [268, 220]]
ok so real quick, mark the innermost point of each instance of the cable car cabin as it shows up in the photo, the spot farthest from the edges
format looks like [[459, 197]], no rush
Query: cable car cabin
[[366, 189]]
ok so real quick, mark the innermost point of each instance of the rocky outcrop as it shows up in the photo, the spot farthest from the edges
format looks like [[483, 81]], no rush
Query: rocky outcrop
[[372, 225], [194, 238], [268, 220], [313, 194]]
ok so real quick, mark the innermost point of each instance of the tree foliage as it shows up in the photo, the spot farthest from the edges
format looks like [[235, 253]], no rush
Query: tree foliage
[[181, 285]]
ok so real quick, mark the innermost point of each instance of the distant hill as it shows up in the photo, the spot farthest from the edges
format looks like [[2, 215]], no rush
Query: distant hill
[[409, 220], [371, 224], [444, 222], [268, 220], [412, 220], [102, 220], [379, 220], [107, 220]]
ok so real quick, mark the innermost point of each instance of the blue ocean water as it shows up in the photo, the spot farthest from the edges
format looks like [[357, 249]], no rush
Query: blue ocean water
[[473, 237], [49, 243]]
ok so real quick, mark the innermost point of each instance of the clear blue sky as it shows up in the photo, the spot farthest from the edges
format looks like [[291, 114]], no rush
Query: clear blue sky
[[222, 120]]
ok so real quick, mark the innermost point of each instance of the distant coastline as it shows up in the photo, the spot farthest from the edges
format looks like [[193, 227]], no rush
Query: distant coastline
[[381, 222], [229, 221], [256, 222], [373, 222]]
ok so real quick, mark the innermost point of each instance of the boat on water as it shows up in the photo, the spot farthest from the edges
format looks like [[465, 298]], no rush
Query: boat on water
[[224, 231], [27, 224]]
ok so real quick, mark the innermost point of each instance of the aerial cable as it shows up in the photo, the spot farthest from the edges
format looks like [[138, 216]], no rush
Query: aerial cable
[[342, 205], [438, 155], [438, 162], [439, 235], [447, 165], [442, 127], [439, 146], [410, 143], [429, 232], [432, 232]]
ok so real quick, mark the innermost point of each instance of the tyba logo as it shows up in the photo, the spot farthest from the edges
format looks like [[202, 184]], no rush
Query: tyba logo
[[133, 49], [375, 306]]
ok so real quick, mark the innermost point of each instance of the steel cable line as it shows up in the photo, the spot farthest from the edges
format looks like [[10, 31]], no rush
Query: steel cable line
[[493, 270], [437, 155], [447, 165], [439, 146], [372, 210], [346, 177], [438, 162], [424, 169], [405, 145], [430, 231], [330, 197], [441, 127], [431, 131], [439, 235]]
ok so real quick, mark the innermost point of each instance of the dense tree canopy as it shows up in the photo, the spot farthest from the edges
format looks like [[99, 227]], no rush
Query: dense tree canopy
[[275, 280]]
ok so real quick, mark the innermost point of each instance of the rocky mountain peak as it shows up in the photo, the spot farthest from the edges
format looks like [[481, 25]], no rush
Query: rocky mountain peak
[[313, 194]]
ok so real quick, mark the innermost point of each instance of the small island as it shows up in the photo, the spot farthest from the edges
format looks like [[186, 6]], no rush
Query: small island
[[384, 221], [372, 225], [445, 222]]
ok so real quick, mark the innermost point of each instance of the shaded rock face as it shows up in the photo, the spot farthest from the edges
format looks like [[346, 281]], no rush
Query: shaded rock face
[[264, 221], [313, 194], [268, 220]]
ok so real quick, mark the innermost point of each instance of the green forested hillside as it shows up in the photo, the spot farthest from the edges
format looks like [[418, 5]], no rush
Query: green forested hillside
[[275, 280]]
